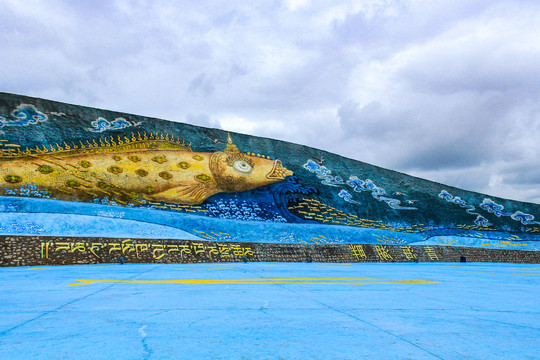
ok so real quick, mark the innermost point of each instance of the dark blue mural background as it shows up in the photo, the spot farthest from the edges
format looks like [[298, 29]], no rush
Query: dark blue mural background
[[329, 199]]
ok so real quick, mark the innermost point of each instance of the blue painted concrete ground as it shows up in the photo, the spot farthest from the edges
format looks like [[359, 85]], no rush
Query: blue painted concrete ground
[[271, 311]]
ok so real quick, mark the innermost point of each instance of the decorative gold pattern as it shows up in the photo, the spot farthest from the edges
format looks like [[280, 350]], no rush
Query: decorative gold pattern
[[160, 159], [85, 164], [73, 184], [13, 179], [203, 178], [165, 175], [141, 172], [142, 140], [45, 169], [114, 169], [102, 185], [310, 209]]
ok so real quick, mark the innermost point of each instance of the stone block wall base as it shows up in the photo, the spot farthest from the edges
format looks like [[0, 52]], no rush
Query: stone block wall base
[[51, 250]]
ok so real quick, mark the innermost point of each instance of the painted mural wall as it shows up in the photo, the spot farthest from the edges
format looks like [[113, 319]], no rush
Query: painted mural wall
[[68, 170]]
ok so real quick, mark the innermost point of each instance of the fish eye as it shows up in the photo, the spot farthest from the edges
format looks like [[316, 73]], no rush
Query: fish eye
[[242, 166]]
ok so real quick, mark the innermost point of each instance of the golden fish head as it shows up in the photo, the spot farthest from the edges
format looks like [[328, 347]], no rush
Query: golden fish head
[[235, 171]]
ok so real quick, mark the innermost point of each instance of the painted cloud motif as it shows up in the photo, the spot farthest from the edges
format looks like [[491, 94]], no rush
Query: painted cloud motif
[[492, 207], [355, 183], [101, 124], [24, 115], [525, 219], [480, 220]]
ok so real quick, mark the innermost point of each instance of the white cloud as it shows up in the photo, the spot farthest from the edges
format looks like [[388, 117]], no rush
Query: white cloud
[[296, 4], [237, 124]]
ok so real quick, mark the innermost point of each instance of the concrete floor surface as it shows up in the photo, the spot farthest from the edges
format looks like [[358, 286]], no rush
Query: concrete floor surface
[[271, 311]]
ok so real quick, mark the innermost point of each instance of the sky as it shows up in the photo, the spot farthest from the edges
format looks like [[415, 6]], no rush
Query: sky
[[446, 90]]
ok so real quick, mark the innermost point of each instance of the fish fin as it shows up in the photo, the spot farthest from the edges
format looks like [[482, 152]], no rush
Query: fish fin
[[188, 194]]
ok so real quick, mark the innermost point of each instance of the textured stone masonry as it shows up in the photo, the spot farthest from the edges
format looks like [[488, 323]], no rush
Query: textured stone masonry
[[41, 250]]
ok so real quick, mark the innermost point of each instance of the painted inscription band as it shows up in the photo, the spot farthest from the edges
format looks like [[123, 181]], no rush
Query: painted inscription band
[[158, 251], [383, 252], [35, 251]]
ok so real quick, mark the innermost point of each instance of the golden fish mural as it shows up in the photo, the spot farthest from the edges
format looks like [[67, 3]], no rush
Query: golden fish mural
[[150, 169]]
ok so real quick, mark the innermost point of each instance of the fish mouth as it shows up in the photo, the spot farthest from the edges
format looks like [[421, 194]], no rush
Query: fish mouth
[[279, 171]]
